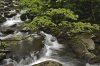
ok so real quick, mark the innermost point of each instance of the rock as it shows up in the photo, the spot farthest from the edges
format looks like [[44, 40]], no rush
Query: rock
[[49, 63], [2, 56], [2, 19], [8, 5], [24, 46], [88, 42], [8, 31], [10, 15], [24, 17], [97, 38], [25, 29], [81, 48]]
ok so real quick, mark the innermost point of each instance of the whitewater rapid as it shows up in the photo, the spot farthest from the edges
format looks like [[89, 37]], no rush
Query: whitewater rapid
[[48, 53]]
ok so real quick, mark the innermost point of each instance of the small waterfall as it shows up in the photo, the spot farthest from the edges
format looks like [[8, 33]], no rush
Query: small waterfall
[[48, 53], [14, 20], [51, 44]]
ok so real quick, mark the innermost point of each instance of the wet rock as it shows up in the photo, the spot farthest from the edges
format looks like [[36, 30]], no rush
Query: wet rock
[[8, 31], [24, 17], [2, 19], [49, 63], [25, 31], [97, 38], [8, 5], [2, 56], [97, 53], [10, 14]]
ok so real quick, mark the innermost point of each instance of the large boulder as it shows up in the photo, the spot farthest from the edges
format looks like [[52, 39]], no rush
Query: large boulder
[[22, 44], [81, 46], [88, 42]]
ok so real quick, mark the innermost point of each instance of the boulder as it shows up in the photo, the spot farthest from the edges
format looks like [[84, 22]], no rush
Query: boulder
[[25, 45], [81, 46], [7, 31], [88, 42], [49, 63]]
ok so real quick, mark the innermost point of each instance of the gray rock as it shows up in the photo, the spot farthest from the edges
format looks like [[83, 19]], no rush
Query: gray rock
[[81, 46], [88, 42]]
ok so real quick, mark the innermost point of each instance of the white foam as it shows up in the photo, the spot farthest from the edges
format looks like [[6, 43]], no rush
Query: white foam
[[43, 59], [11, 21], [15, 19], [6, 37], [51, 43]]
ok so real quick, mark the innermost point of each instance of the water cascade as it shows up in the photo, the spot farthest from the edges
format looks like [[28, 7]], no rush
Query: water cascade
[[50, 51]]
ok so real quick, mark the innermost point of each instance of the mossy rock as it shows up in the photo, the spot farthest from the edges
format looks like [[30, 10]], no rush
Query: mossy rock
[[48, 63]]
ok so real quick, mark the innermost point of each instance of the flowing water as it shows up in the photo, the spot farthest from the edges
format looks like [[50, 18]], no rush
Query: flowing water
[[23, 55]]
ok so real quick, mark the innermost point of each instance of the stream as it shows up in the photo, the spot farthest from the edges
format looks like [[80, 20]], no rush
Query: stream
[[23, 55]]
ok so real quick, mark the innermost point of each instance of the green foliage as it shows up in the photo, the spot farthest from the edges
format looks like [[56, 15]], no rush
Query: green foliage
[[32, 5], [39, 22], [56, 16], [62, 11], [88, 10], [84, 27], [65, 28]]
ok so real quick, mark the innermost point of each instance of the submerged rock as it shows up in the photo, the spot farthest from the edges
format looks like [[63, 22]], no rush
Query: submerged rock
[[49, 63]]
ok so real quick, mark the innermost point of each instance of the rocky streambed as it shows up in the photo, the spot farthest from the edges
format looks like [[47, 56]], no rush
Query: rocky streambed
[[18, 44], [84, 48], [7, 9]]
